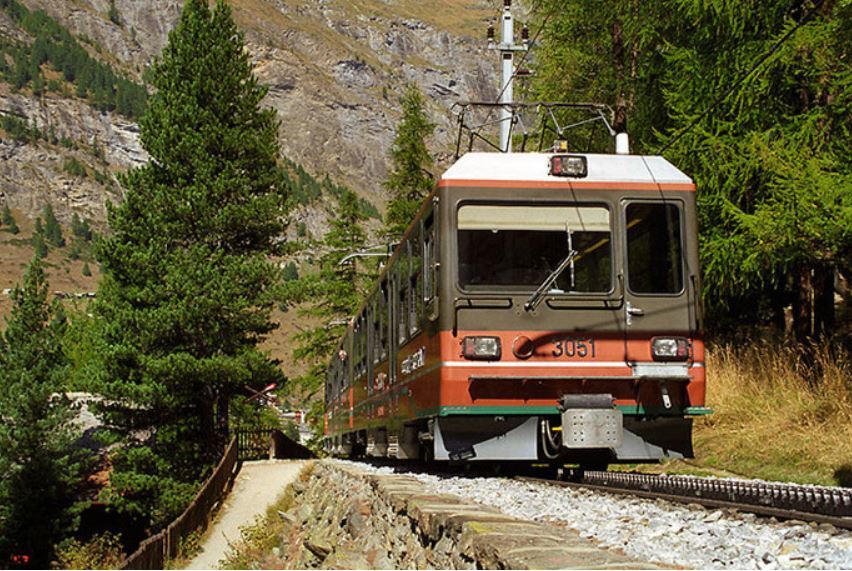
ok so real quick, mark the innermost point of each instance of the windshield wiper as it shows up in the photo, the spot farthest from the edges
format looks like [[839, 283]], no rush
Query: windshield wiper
[[536, 297]]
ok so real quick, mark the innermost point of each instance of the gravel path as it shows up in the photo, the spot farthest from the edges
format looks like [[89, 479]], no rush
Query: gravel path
[[257, 487], [657, 531]]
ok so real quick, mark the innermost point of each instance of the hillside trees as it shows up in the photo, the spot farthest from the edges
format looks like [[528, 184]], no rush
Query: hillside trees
[[769, 162], [185, 296], [409, 180], [54, 45], [39, 470], [332, 294]]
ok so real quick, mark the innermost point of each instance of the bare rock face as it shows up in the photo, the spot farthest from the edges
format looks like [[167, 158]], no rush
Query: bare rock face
[[335, 72]]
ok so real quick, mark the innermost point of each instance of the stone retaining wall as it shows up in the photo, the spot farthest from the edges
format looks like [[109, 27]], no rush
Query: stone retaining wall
[[345, 518]]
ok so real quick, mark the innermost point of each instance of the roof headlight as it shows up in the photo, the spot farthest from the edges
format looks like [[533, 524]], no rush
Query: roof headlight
[[670, 348], [574, 166], [481, 348]]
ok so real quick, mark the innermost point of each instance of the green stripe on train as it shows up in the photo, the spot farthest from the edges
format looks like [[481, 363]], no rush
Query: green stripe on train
[[548, 410]]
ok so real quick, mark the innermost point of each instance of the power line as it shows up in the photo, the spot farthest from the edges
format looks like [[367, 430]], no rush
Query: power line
[[740, 81]]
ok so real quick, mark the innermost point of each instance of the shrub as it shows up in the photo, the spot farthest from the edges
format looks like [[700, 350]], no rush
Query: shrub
[[100, 552], [74, 167]]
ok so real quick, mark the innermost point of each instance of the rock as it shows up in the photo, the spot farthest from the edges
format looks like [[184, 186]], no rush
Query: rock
[[319, 545]]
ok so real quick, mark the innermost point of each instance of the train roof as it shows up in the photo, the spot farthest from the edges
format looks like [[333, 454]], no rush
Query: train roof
[[534, 167]]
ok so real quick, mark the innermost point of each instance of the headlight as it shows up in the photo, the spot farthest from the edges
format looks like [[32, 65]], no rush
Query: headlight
[[670, 348], [485, 348]]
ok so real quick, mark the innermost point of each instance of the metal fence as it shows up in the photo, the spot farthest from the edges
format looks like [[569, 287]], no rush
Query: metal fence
[[154, 552], [254, 443]]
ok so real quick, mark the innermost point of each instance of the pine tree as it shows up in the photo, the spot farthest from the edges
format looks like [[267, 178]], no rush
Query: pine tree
[[81, 228], [52, 229], [86, 270], [409, 180], [39, 240], [39, 471], [9, 220], [291, 272], [185, 296]]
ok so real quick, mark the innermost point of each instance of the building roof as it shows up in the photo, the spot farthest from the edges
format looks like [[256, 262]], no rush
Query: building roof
[[535, 167]]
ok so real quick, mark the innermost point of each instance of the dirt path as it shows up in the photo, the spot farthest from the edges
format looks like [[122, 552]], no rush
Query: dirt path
[[257, 487]]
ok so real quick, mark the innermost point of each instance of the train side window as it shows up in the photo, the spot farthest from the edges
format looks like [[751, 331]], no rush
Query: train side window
[[377, 330], [362, 354], [384, 312], [344, 364], [328, 385], [415, 299], [358, 347], [654, 248], [402, 274], [429, 259]]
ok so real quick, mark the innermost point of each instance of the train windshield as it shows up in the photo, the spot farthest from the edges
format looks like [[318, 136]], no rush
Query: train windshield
[[518, 247]]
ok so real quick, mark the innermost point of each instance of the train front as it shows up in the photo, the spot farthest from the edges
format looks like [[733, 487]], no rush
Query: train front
[[570, 313]]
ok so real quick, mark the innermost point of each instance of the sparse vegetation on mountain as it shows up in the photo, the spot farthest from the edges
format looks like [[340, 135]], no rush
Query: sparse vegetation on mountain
[[185, 297], [39, 469], [74, 167]]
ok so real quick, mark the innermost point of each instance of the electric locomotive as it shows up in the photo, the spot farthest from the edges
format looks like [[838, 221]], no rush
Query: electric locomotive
[[542, 307]]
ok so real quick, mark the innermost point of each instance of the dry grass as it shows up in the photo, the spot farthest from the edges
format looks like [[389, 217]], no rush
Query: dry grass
[[775, 418]]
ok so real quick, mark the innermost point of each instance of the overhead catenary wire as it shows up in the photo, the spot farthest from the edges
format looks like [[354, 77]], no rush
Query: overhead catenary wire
[[722, 97]]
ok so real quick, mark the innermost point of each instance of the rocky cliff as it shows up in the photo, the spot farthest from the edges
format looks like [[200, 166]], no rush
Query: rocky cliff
[[334, 69]]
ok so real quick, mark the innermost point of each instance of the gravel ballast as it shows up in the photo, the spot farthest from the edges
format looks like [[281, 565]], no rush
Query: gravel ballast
[[658, 531]]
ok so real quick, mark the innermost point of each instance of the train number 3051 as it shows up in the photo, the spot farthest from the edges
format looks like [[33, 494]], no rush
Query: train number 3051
[[574, 347]]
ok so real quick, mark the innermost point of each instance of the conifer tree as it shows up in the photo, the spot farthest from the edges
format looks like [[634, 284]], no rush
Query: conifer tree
[[770, 161], [39, 240], [9, 220], [38, 470], [185, 297], [52, 229], [409, 180], [332, 294]]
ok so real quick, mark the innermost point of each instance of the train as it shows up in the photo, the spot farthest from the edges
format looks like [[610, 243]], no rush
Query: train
[[542, 307]]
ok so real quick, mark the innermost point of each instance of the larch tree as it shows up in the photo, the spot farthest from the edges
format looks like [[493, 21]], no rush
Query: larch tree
[[770, 160], [409, 180], [185, 296], [331, 295], [39, 470]]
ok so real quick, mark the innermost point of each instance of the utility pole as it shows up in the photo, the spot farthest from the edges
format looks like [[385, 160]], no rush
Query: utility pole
[[507, 48]]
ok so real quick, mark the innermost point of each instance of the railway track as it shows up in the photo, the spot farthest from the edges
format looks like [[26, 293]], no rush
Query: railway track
[[818, 504]]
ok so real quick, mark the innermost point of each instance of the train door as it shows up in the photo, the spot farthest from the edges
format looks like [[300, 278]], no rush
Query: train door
[[657, 300]]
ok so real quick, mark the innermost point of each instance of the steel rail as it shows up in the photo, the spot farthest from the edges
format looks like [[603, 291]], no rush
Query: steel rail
[[818, 504]]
